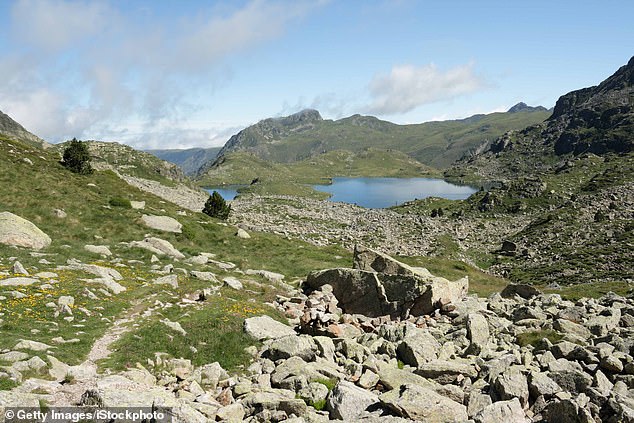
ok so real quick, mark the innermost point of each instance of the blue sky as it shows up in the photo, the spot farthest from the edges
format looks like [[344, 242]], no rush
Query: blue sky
[[174, 74]]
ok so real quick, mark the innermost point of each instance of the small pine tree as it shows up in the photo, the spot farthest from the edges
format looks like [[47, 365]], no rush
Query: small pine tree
[[77, 158], [216, 206]]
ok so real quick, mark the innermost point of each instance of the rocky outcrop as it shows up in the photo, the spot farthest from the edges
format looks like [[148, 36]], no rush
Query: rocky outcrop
[[379, 285], [19, 232], [162, 223]]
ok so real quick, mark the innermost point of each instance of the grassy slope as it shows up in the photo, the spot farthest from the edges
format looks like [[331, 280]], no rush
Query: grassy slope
[[34, 191]]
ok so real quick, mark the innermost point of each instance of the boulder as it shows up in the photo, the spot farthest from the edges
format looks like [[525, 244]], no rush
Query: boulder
[[348, 402], [512, 384], [19, 281], [19, 232], [18, 269], [502, 412], [171, 280], [162, 223], [396, 289], [446, 372], [233, 283], [158, 246], [264, 327], [477, 333], [422, 404], [242, 234], [418, 348], [292, 346], [98, 249], [521, 290]]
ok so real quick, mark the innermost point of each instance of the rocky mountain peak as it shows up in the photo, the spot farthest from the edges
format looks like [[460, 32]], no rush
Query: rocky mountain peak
[[11, 129], [523, 107]]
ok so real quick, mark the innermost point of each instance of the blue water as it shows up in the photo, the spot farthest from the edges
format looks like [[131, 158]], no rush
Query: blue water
[[376, 193], [228, 192]]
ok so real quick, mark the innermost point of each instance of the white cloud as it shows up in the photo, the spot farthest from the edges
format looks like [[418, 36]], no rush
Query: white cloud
[[56, 24], [406, 87], [85, 68]]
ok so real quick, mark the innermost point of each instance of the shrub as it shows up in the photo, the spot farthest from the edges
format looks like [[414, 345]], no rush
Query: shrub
[[217, 207], [120, 202], [77, 158]]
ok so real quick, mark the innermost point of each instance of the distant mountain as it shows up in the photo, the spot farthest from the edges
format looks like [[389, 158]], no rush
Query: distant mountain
[[596, 120], [438, 144], [190, 160], [523, 107], [13, 130]]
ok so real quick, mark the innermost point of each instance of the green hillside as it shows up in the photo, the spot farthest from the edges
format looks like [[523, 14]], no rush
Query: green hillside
[[437, 144]]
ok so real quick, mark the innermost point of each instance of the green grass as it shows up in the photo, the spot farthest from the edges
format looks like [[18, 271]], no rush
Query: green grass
[[533, 338], [214, 329], [7, 384]]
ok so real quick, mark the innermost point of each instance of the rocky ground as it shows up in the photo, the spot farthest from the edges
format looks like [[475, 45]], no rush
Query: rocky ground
[[518, 356]]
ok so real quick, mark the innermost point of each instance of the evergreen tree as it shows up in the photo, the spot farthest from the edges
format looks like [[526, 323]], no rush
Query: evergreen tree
[[77, 158], [217, 207]]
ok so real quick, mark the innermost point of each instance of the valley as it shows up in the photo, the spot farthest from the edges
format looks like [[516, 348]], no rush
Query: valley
[[513, 305]]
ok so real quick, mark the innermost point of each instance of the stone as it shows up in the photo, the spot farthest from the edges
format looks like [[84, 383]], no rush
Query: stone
[[521, 290], [418, 348], [162, 223], [98, 249], [571, 380], [265, 327], [477, 332], [231, 413], [393, 378], [477, 402], [512, 384], [274, 400], [175, 326], [271, 276], [31, 345], [611, 364], [19, 232], [137, 205], [171, 280], [106, 275], [368, 379], [347, 401], [59, 213], [542, 385], [502, 412], [13, 356], [242, 234], [568, 327], [204, 276], [211, 374], [158, 246], [422, 404], [292, 346], [233, 283], [446, 372], [313, 393], [18, 269], [19, 281]]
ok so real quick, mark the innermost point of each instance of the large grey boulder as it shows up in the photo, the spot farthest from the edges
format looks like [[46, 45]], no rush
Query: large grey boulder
[[158, 246], [422, 404], [19, 232], [162, 223], [347, 401], [264, 327], [502, 412], [396, 289], [98, 249]]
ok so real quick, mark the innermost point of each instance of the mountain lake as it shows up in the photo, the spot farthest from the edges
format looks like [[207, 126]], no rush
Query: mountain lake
[[376, 193]]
